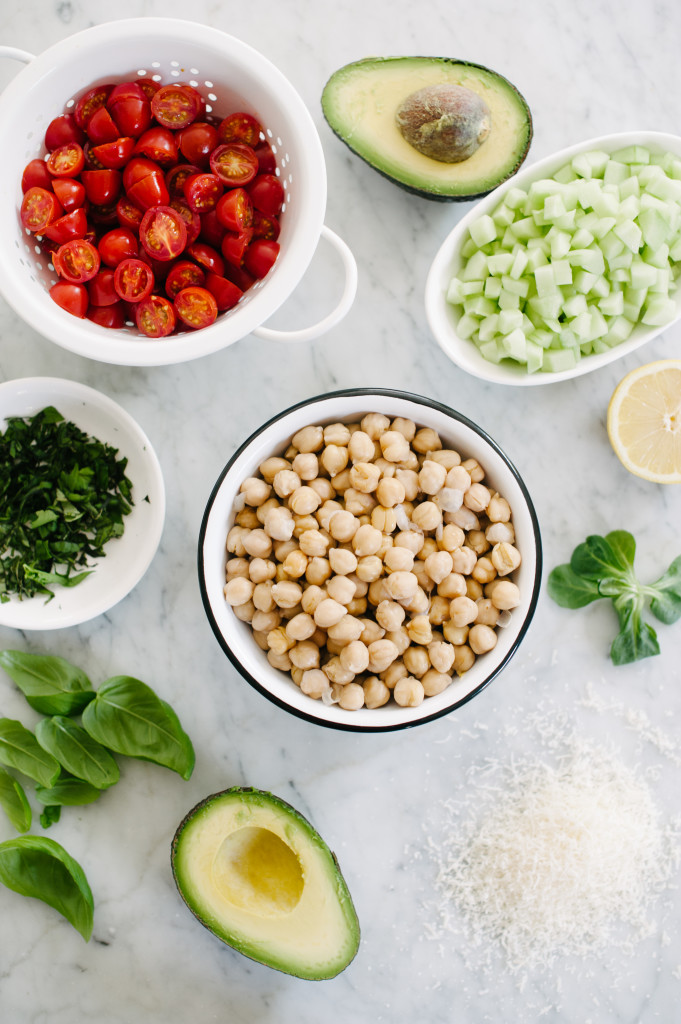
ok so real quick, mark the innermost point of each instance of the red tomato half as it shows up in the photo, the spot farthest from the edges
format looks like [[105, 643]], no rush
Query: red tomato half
[[182, 274], [102, 187], [36, 175], [63, 129], [71, 297], [158, 144], [265, 227], [163, 232], [130, 108], [260, 257], [107, 316], [129, 213], [114, 154], [89, 102], [196, 307], [202, 192], [207, 257], [267, 194], [240, 128], [235, 163], [138, 168], [197, 142], [235, 210], [133, 280], [234, 246], [66, 161], [177, 175], [267, 162], [101, 290], [39, 208], [212, 231], [71, 225], [175, 106], [223, 291], [77, 261], [150, 191], [155, 316], [101, 127], [69, 192], [192, 221], [117, 245]]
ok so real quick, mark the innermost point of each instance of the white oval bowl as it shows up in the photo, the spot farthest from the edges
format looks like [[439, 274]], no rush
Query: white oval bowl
[[443, 317], [236, 638], [127, 557]]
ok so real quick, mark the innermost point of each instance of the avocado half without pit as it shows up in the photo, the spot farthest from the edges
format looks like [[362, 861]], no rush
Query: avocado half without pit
[[256, 873], [440, 128]]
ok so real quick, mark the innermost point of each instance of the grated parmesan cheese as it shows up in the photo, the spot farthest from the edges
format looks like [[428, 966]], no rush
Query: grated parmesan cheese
[[566, 861]]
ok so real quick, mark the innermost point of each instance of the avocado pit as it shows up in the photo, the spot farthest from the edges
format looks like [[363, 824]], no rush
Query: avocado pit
[[445, 122]]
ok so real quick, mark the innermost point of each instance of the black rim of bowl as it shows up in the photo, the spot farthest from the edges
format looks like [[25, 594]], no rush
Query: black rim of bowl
[[418, 400]]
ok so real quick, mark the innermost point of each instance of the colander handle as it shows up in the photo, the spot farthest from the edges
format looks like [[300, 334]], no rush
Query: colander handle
[[337, 314], [14, 53]]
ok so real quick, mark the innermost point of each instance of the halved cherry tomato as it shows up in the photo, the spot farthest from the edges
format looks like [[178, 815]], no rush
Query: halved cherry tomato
[[39, 208], [202, 192], [116, 153], [196, 307], [129, 213], [155, 316], [265, 227], [107, 316], [182, 274], [63, 129], [133, 280], [267, 194], [150, 190], [267, 162], [177, 175], [207, 257], [103, 216], [260, 257], [238, 276], [212, 231], [101, 290], [102, 187], [192, 221], [66, 161], [158, 144], [197, 141], [163, 232], [69, 192], [234, 246], [130, 108], [91, 161], [71, 225], [71, 297], [138, 167], [175, 106], [77, 261], [225, 293], [235, 163], [235, 210], [117, 245], [240, 128], [36, 175], [148, 86], [101, 127], [89, 102]]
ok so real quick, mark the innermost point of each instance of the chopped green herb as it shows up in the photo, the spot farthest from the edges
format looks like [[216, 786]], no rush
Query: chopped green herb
[[63, 496]]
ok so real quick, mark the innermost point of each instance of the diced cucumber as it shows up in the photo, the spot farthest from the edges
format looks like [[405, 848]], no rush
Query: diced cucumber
[[556, 359], [483, 230], [659, 310]]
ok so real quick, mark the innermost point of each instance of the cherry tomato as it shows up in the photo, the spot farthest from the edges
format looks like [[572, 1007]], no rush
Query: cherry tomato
[[267, 162], [36, 175], [235, 163], [202, 192], [150, 191], [175, 106], [240, 128], [265, 227], [238, 276], [63, 129], [77, 261], [235, 210], [71, 297], [69, 192], [91, 161], [197, 142], [196, 307], [101, 290], [103, 216], [114, 154], [101, 127], [133, 280], [192, 221], [117, 245], [148, 86], [267, 194], [176, 177], [163, 232], [260, 257], [66, 161], [107, 316], [71, 225], [102, 187], [225, 293], [130, 108], [155, 316], [138, 167], [39, 208], [207, 257], [234, 246], [158, 144], [182, 274], [129, 213], [89, 102], [212, 231]]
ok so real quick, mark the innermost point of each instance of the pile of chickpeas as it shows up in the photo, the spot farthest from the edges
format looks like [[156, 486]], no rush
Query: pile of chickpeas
[[372, 563]]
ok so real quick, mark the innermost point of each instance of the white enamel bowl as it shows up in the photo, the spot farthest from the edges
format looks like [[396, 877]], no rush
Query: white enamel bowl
[[235, 637], [128, 557], [443, 317]]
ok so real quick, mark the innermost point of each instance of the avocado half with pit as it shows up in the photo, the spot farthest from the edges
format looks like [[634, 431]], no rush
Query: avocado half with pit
[[256, 873], [441, 128]]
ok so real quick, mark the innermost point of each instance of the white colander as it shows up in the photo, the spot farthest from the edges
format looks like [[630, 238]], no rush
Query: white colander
[[232, 76]]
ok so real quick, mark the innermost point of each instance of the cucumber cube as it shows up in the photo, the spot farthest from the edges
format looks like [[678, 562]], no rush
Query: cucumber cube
[[510, 320], [556, 360], [500, 263], [492, 288], [483, 230], [534, 355], [514, 345], [659, 311], [491, 351], [612, 304], [489, 327], [630, 233], [467, 326]]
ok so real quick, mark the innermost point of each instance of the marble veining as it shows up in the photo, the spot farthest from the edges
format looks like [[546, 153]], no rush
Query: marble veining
[[586, 68]]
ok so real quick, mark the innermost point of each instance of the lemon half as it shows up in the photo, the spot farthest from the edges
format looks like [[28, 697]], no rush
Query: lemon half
[[644, 421]]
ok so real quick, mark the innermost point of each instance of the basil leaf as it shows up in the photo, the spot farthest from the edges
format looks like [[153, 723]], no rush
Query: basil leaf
[[50, 815], [127, 716], [68, 792], [20, 749], [636, 639], [39, 867], [666, 602], [623, 547], [14, 803], [77, 751], [595, 558], [51, 685], [570, 590]]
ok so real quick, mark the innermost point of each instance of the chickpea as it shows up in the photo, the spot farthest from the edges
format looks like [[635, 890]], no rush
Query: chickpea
[[441, 655], [270, 467], [324, 488], [420, 630], [328, 612], [429, 548], [432, 477], [439, 610], [366, 541], [463, 611], [474, 589], [355, 657], [477, 540], [400, 638], [497, 532], [394, 446], [426, 440], [255, 490], [306, 465], [318, 571], [505, 558], [416, 660], [399, 559], [257, 543], [238, 590], [334, 459], [408, 692], [280, 660], [304, 500], [404, 426], [336, 673], [305, 655], [473, 467], [358, 502], [434, 682], [374, 424], [360, 447], [499, 510], [376, 693], [341, 589], [261, 640], [248, 518], [358, 606], [456, 635], [477, 497], [287, 594], [343, 526], [464, 518], [371, 631], [439, 566], [348, 629], [244, 612], [390, 615], [285, 482], [427, 516], [314, 683], [262, 596], [369, 568], [410, 481], [410, 539], [238, 567], [453, 585], [265, 622], [336, 433], [311, 597], [463, 659], [309, 439], [484, 570], [351, 697], [418, 603], [447, 457], [279, 523], [401, 585], [279, 641], [381, 654], [261, 569], [295, 564], [262, 511], [314, 543], [458, 479], [464, 560], [452, 537], [488, 615], [504, 594], [300, 627], [342, 561], [384, 519], [482, 638], [364, 476], [234, 543], [325, 511]]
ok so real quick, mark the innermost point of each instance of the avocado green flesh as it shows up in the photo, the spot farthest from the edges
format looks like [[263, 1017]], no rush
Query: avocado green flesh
[[258, 875], [360, 100]]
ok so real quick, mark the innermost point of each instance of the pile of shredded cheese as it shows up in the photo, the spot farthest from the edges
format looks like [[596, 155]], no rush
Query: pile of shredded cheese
[[566, 860]]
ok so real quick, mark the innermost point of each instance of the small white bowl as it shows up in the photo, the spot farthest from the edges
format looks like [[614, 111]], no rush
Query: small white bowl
[[443, 317], [236, 638], [127, 557]]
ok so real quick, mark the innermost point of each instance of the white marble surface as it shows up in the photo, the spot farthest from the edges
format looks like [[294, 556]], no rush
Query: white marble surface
[[587, 68]]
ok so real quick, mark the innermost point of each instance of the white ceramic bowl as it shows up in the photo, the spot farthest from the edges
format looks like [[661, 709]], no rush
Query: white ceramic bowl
[[127, 557], [273, 437], [443, 317], [234, 77]]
